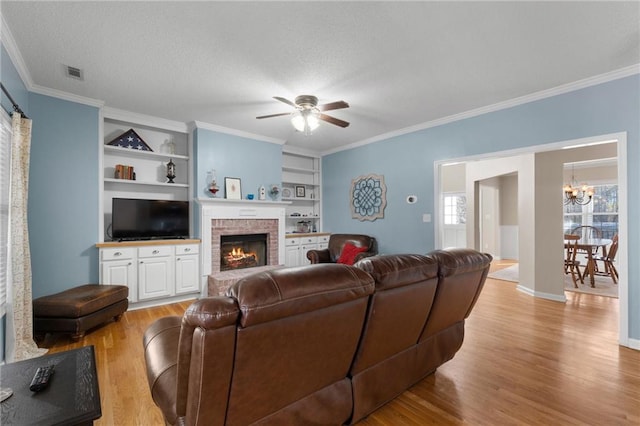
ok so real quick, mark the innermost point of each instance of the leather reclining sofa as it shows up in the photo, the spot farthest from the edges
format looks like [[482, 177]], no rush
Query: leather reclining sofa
[[314, 345]]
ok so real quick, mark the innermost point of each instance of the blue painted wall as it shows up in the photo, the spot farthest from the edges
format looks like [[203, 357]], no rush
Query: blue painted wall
[[255, 162], [407, 163], [63, 194]]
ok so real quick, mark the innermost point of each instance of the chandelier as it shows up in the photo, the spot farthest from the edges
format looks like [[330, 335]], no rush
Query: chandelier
[[575, 193]]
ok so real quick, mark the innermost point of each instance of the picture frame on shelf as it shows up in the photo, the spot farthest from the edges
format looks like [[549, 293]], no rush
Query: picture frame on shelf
[[232, 188], [300, 191]]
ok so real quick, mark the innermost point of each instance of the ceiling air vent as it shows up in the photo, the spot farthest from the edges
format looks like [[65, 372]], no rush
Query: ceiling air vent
[[74, 72]]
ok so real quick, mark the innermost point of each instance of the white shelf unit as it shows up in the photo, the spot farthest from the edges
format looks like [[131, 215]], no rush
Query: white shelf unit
[[150, 167], [301, 185]]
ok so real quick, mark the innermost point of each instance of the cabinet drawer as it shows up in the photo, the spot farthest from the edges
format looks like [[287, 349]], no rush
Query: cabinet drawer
[[188, 249], [156, 251], [117, 253], [309, 240], [292, 241], [323, 239]]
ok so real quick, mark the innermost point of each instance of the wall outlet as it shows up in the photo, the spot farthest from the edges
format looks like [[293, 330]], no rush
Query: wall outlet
[[426, 217]]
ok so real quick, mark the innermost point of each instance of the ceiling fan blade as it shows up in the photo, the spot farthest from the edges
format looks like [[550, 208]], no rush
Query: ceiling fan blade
[[286, 101], [333, 105], [333, 120], [274, 115]]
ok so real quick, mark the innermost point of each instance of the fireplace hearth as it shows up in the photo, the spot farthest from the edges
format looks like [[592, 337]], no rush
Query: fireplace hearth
[[243, 251]]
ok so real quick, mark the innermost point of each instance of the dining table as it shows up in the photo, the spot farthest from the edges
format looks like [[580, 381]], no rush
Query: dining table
[[591, 246]]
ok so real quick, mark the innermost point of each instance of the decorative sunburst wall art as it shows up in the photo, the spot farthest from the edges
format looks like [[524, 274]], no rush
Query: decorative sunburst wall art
[[368, 197]]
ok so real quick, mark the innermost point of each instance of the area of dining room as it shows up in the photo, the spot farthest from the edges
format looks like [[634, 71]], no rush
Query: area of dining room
[[590, 227], [590, 223]]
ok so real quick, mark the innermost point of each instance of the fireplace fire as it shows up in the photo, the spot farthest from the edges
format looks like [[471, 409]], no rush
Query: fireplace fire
[[243, 251]]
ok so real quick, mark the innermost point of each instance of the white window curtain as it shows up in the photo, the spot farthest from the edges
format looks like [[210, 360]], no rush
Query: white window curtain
[[5, 166], [19, 338]]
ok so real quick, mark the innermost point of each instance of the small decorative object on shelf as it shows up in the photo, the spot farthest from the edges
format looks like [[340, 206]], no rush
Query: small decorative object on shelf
[[169, 146], [212, 187], [274, 190], [262, 193], [171, 171], [232, 188], [130, 140], [125, 172]]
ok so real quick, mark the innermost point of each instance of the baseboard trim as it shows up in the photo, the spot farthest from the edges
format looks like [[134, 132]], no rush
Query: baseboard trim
[[554, 297]]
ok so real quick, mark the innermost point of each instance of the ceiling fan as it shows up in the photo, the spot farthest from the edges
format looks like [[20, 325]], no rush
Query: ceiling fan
[[307, 113]]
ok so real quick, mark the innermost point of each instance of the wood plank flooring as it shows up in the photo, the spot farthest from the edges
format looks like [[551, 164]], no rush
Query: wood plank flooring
[[524, 361]]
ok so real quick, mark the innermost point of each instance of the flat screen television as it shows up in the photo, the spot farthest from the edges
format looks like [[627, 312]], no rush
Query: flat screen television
[[135, 219]]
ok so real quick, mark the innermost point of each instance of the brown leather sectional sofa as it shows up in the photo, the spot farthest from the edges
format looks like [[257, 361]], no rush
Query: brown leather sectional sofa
[[321, 344]]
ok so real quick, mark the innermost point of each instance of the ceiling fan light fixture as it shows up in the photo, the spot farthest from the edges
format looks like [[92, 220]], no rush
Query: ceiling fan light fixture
[[306, 120]]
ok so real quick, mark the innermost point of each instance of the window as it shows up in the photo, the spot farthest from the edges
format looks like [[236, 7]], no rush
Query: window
[[5, 165], [455, 209], [601, 212]]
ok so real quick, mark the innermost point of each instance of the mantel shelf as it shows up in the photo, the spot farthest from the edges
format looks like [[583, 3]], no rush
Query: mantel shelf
[[205, 201]]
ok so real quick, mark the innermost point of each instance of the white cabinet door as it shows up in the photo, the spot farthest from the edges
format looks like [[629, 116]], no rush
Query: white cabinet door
[[120, 272], [187, 273], [155, 277], [292, 254]]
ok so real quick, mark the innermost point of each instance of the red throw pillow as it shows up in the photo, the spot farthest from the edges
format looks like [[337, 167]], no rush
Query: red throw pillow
[[349, 253]]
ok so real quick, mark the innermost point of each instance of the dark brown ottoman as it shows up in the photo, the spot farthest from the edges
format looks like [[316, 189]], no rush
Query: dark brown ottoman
[[79, 309]]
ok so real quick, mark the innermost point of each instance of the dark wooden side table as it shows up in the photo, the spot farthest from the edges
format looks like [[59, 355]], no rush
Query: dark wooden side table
[[72, 397]]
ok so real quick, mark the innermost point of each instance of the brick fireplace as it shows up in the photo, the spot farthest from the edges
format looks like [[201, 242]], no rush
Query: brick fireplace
[[221, 217]]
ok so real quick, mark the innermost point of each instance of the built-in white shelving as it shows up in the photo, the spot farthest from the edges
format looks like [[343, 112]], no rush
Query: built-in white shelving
[[167, 140], [301, 179]]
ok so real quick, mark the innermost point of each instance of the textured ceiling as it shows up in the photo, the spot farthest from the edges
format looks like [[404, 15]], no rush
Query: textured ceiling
[[398, 64]]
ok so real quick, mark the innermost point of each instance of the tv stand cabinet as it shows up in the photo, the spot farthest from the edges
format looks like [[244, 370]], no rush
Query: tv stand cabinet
[[156, 271]]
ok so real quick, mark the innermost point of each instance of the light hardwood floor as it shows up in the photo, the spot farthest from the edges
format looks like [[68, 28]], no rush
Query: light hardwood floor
[[524, 361]]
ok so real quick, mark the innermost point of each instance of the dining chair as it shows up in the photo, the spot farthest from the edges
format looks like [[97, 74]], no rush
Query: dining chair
[[571, 265], [607, 260], [587, 232]]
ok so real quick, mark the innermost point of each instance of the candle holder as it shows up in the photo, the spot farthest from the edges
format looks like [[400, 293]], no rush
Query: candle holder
[[171, 171]]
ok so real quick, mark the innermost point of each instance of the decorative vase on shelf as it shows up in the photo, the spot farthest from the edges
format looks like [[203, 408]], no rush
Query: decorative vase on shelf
[[212, 186], [274, 190], [171, 171]]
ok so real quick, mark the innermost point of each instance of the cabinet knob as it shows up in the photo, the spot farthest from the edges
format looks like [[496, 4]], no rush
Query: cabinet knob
[[129, 264], [155, 252], [178, 259], [142, 261], [187, 249], [118, 253]]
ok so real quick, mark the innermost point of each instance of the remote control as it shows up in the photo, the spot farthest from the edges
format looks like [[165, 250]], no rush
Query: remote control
[[41, 378]]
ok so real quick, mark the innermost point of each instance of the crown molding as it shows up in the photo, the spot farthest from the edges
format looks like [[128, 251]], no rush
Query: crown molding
[[544, 94], [10, 45], [234, 132], [41, 90], [145, 120]]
